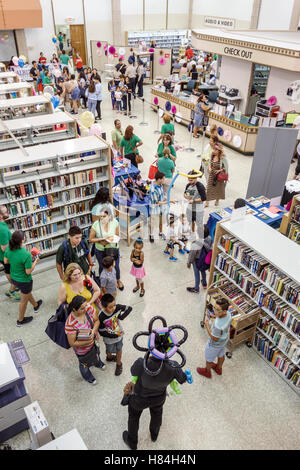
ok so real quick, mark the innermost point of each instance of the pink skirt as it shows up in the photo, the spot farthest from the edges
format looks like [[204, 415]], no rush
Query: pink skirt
[[138, 273]]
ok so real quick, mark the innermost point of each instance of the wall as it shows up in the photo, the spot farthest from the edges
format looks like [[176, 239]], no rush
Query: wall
[[39, 39], [279, 81], [240, 10], [98, 22], [7, 48], [236, 73], [68, 8], [275, 14], [131, 16], [178, 14], [155, 14]]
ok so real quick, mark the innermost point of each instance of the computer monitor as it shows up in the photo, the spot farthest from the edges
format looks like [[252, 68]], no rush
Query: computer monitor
[[290, 118]]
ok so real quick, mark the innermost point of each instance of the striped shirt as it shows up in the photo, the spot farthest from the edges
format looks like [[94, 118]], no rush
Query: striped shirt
[[156, 195], [72, 325]]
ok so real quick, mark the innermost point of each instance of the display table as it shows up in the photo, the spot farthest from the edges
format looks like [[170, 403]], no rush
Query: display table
[[274, 222], [239, 135], [125, 172]]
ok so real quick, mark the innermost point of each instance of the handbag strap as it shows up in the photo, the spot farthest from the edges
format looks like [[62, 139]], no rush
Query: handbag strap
[[134, 151], [89, 320]]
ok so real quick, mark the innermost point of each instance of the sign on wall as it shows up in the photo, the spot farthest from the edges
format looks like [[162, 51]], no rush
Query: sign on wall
[[218, 22]]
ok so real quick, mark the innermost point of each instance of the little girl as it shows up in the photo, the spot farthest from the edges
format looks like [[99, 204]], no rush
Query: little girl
[[118, 97], [137, 269]]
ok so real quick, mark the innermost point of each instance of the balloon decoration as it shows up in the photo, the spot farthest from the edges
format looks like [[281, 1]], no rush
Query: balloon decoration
[[22, 57], [174, 109], [151, 49], [105, 47], [86, 118], [95, 129], [15, 61], [5, 36], [54, 40], [168, 106], [99, 52], [49, 90], [112, 50], [122, 51], [162, 61], [55, 101], [156, 100], [57, 73], [99, 44], [21, 63], [122, 57], [2, 40]]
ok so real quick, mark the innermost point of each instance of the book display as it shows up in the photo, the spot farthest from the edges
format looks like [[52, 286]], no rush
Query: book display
[[17, 108], [15, 90], [253, 273], [164, 39], [37, 130], [290, 225], [50, 188]]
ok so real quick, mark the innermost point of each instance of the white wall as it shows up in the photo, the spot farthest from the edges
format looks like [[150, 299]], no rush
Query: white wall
[[40, 39], [131, 16], [98, 21], [178, 14], [236, 73], [278, 83], [155, 14], [275, 14], [240, 10], [68, 9]]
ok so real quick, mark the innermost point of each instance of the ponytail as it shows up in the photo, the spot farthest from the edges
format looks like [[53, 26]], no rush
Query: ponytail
[[16, 240]]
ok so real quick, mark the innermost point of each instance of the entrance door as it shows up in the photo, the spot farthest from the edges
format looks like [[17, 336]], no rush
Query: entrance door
[[77, 37]]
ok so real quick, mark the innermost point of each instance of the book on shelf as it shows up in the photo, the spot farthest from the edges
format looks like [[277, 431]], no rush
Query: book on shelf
[[281, 338], [296, 213], [294, 232]]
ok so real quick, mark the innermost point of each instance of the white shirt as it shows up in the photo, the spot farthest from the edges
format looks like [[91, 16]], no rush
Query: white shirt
[[297, 122], [213, 67]]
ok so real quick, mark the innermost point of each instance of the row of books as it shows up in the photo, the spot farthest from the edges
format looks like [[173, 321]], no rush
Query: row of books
[[260, 294], [296, 213], [279, 361], [31, 220], [294, 232], [42, 245], [77, 193], [76, 208], [271, 276], [211, 299], [82, 220], [41, 231], [280, 337], [30, 205], [238, 298], [45, 185]]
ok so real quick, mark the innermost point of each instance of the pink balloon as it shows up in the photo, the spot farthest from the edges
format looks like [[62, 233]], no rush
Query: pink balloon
[[156, 100], [105, 46], [95, 129], [151, 50], [122, 57], [174, 109], [2, 39], [15, 60], [162, 61], [98, 44], [111, 50]]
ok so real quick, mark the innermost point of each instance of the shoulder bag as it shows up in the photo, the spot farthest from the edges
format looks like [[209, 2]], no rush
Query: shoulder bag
[[56, 326], [138, 157], [222, 176]]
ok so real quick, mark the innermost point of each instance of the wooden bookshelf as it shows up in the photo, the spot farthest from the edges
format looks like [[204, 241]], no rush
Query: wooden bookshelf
[[47, 188], [9, 77], [37, 130], [19, 88], [289, 218], [263, 265], [16, 108]]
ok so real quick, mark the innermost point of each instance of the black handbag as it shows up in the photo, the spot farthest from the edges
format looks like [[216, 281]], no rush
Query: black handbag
[[205, 120], [56, 326]]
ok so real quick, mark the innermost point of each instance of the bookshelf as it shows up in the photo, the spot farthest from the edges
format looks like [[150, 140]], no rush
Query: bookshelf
[[19, 88], [37, 130], [290, 224], [8, 77], [164, 39], [17, 108], [47, 188], [264, 267]]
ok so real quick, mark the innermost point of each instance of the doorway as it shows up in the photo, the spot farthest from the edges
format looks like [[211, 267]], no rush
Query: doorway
[[77, 39]]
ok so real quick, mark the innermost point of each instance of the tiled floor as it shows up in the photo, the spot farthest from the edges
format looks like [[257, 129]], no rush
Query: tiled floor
[[249, 407]]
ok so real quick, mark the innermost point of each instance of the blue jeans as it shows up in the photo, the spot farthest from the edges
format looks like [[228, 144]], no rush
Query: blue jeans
[[99, 255], [85, 371], [197, 276], [92, 106]]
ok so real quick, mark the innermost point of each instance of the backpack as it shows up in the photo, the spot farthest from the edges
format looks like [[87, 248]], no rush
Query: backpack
[[67, 255], [56, 326]]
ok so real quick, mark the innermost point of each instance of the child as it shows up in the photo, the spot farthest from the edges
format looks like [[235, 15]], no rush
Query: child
[[172, 240], [118, 96], [108, 278], [91, 95], [137, 269], [184, 232], [111, 329], [112, 89]]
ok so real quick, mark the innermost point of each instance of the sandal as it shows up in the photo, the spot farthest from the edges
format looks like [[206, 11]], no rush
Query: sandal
[[122, 287], [135, 289], [142, 293], [119, 369]]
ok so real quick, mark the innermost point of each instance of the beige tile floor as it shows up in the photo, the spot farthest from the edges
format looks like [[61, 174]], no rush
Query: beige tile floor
[[249, 407]]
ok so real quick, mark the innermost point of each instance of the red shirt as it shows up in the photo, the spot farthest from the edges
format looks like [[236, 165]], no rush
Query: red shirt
[[189, 53], [42, 60], [78, 62]]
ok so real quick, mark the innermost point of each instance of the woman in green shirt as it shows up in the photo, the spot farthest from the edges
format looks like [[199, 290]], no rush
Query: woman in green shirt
[[167, 127], [117, 135], [129, 144], [21, 267], [64, 58], [166, 142], [103, 233]]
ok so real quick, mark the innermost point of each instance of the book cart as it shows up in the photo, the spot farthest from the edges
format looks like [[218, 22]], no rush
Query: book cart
[[37, 130], [9, 77], [290, 224], [16, 108], [256, 261], [48, 188], [19, 88]]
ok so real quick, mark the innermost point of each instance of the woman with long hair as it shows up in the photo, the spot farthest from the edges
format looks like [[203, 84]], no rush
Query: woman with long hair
[[200, 109], [21, 268], [215, 189], [166, 142], [91, 95], [129, 145], [101, 201]]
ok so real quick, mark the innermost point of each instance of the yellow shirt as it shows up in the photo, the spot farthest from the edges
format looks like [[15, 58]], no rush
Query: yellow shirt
[[70, 294]]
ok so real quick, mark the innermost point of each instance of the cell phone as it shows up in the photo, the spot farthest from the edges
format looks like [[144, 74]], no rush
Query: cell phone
[[35, 257]]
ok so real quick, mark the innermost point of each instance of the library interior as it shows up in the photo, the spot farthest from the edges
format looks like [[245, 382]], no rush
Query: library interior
[[150, 225]]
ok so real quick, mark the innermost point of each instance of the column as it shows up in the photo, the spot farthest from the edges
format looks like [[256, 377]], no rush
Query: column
[[255, 14], [116, 22]]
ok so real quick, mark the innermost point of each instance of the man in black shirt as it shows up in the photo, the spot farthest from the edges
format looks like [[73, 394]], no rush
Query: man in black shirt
[[195, 193], [34, 72]]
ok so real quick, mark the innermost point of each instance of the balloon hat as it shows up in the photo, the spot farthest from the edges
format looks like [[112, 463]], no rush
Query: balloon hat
[[162, 344]]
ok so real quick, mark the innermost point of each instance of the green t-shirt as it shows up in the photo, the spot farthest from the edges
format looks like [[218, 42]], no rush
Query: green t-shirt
[[19, 260], [113, 224], [60, 38], [166, 165], [167, 128], [117, 135], [5, 236], [64, 58], [75, 255], [160, 149], [130, 144]]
